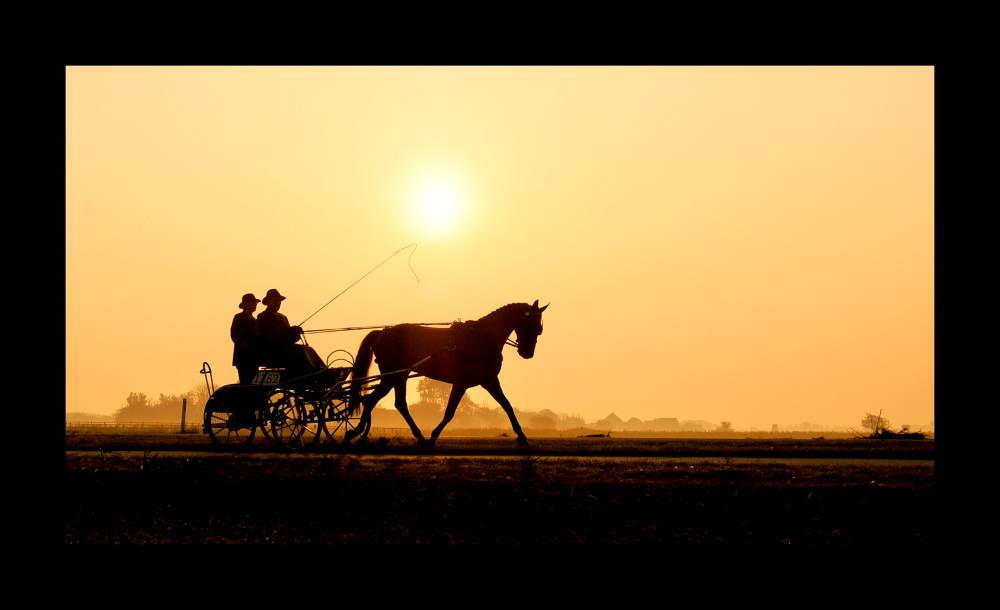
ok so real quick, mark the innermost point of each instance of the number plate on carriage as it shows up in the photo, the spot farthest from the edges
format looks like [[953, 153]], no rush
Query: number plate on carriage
[[267, 378]]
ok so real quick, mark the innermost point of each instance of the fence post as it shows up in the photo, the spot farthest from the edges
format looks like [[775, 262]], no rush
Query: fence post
[[184, 408]]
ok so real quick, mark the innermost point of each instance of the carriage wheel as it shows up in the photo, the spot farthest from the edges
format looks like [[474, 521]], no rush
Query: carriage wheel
[[312, 424], [292, 420], [337, 422], [263, 416], [229, 426]]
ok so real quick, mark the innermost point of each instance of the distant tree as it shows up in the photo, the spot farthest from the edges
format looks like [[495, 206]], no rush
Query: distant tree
[[433, 391], [425, 413], [726, 427], [134, 409], [545, 419], [197, 397], [548, 414], [875, 423], [472, 415], [434, 399], [571, 420], [167, 408], [138, 408]]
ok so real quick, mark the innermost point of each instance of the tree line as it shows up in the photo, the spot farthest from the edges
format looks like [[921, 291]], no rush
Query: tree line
[[470, 414], [167, 408], [429, 409]]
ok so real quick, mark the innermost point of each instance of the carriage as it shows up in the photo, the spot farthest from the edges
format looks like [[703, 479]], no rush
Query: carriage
[[293, 411]]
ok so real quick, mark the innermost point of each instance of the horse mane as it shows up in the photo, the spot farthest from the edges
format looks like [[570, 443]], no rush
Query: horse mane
[[465, 328], [496, 313]]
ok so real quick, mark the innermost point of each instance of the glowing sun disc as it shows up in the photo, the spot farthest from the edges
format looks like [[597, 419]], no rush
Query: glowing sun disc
[[438, 204]]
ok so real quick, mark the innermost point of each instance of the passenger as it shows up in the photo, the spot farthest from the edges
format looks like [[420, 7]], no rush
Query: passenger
[[243, 332], [279, 339]]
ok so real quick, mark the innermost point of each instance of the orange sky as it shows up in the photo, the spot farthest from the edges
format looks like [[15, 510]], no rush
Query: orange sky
[[745, 244]]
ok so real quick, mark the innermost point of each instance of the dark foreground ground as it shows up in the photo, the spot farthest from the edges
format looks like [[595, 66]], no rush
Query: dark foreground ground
[[721, 495]]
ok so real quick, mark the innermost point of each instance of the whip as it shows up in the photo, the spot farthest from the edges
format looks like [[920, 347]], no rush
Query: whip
[[366, 275]]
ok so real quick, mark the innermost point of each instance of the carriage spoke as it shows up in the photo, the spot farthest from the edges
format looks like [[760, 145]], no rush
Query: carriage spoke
[[226, 427], [337, 422], [293, 419]]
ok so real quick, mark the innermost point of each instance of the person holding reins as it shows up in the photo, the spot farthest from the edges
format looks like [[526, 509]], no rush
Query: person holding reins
[[278, 339]]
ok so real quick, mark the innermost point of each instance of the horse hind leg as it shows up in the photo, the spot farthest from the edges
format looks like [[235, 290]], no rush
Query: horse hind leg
[[369, 402]]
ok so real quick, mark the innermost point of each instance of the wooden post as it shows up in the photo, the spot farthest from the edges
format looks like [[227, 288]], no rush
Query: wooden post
[[184, 408]]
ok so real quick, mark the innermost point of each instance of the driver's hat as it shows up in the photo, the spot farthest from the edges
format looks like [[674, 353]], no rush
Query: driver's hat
[[272, 295], [248, 299]]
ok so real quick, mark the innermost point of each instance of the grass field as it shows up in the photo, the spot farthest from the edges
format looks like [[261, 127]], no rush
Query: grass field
[[719, 492]]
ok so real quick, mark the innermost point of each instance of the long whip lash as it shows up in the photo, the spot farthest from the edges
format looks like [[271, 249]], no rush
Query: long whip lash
[[366, 275]]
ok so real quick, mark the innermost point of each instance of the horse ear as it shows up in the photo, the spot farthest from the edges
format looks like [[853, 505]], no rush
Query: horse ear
[[543, 308], [535, 304]]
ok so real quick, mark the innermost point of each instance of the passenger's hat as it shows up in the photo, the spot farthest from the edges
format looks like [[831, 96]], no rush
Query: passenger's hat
[[248, 298], [271, 295]]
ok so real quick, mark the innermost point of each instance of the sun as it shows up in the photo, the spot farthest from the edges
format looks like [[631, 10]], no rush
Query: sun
[[437, 205]]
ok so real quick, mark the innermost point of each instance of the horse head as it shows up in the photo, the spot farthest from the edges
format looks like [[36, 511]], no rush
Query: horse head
[[527, 329]]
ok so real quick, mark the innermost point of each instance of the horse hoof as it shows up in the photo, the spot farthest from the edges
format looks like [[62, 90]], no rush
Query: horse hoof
[[521, 440]]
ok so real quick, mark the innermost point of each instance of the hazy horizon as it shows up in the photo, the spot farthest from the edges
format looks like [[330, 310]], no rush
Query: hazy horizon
[[708, 426], [748, 244]]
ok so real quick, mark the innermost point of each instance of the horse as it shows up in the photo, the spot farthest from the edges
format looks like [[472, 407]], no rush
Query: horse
[[466, 354]]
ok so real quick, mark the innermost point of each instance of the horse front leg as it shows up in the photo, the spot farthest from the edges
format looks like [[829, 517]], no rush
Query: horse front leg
[[493, 387], [456, 397]]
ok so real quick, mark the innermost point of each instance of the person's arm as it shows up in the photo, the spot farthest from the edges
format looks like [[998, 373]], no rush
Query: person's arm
[[273, 331]]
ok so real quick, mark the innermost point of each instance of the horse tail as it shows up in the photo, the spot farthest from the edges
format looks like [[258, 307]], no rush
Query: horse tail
[[362, 363]]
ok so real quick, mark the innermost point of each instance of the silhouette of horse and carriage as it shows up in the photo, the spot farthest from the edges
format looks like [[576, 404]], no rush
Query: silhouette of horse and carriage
[[295, 410]]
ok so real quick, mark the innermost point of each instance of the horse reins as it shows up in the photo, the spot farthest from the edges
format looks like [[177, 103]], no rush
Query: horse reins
[[337, 330]]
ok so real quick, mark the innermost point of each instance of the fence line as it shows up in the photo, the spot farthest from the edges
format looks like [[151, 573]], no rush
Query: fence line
[[140, 424], [376, 432], [379, 432]]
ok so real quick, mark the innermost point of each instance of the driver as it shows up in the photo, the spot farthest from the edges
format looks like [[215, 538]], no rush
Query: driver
[[243, 332], [278, 339]]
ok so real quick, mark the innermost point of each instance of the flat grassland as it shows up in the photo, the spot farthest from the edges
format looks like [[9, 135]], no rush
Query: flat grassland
[[490, 491]]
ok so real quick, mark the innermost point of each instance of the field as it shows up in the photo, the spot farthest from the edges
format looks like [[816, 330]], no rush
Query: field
[[174, 488]]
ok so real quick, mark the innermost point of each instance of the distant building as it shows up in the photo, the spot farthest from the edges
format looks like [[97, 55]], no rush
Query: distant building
[[611, 422], [660, 424], [663, 424]]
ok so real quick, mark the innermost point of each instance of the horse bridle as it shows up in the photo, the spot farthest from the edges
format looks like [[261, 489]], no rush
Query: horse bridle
[[513, 343]]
